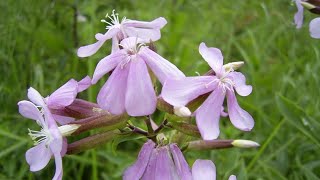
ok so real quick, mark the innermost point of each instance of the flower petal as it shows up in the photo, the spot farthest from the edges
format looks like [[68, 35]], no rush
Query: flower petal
[[35, 97], [155, 24], [38, 157], [178, 92], [84, 84], [107, 64], [29, 110], [161, 67], [112, 95], [141, 99], [165, 168], [64, 146], [298, 17], [240, 83], [89, 50], [150, 170], [203, 169], [59, 170], [208, 115], [314, 28], [62, 120], [180, 162], [213, 56], [63, 96], [145, 30], [136, 171], [240, 118], [232, 177]]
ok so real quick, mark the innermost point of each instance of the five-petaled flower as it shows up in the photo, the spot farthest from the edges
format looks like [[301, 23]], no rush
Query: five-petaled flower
[[178, 92], [49, 140], [119, 30], [129, 88]]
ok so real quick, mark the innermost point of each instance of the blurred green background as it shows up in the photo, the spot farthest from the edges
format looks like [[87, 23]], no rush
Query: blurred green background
[[38, 44]]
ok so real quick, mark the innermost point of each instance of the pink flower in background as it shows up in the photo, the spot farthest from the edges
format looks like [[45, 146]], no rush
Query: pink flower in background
[[118, 31], [48, 141], [314, 26], [158, 163], [179, 92], [205, 169], [129, 87]]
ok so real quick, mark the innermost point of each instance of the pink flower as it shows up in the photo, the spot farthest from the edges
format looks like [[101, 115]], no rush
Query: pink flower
[[205, 169], [118, 31], [158, 163], [178, 92], [48, 141], [129, 88], [314, 26]]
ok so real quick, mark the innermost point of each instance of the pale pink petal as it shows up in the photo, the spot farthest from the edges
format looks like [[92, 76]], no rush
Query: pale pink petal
[[240, 118], [62, 120], [107, 64], [140, 99], [63, 96], [208, 115], [180, 163], [84, 84], [203, 169], [64, 146], [155, 24], [240, 83], [145, 34], [213, 56], [298, 17], [179, 92], [35, 97], [222, 113], [91, 49], [115, 44], [136, 171], [131, 42], [29, 110], [112, 95], [161, 67], [314, 28], [150, 170], [38, 157], [232, 177], [165, 168], [58, 161]]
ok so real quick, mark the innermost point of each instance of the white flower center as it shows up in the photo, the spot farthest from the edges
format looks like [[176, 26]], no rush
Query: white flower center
[[223, 81], [40, 136]]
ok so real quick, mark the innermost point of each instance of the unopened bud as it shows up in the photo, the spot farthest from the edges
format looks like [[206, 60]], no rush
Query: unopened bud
[[245, 144], [67, 130], [182, 111], [233, 65], [307, 5]]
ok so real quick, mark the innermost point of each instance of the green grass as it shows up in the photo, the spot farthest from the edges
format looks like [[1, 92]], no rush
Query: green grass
[[37, 48]]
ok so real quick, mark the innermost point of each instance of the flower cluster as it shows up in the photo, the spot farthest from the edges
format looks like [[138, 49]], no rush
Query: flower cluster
[[314, 7], [131, 94]]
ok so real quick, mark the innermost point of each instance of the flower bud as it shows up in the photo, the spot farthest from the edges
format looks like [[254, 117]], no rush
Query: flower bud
[[182, 111], [245, 143], [233, 65], [67, 130], [307, 5]]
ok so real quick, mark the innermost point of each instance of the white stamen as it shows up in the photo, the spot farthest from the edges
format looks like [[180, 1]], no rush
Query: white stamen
[[40, 136], [114, 17]]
